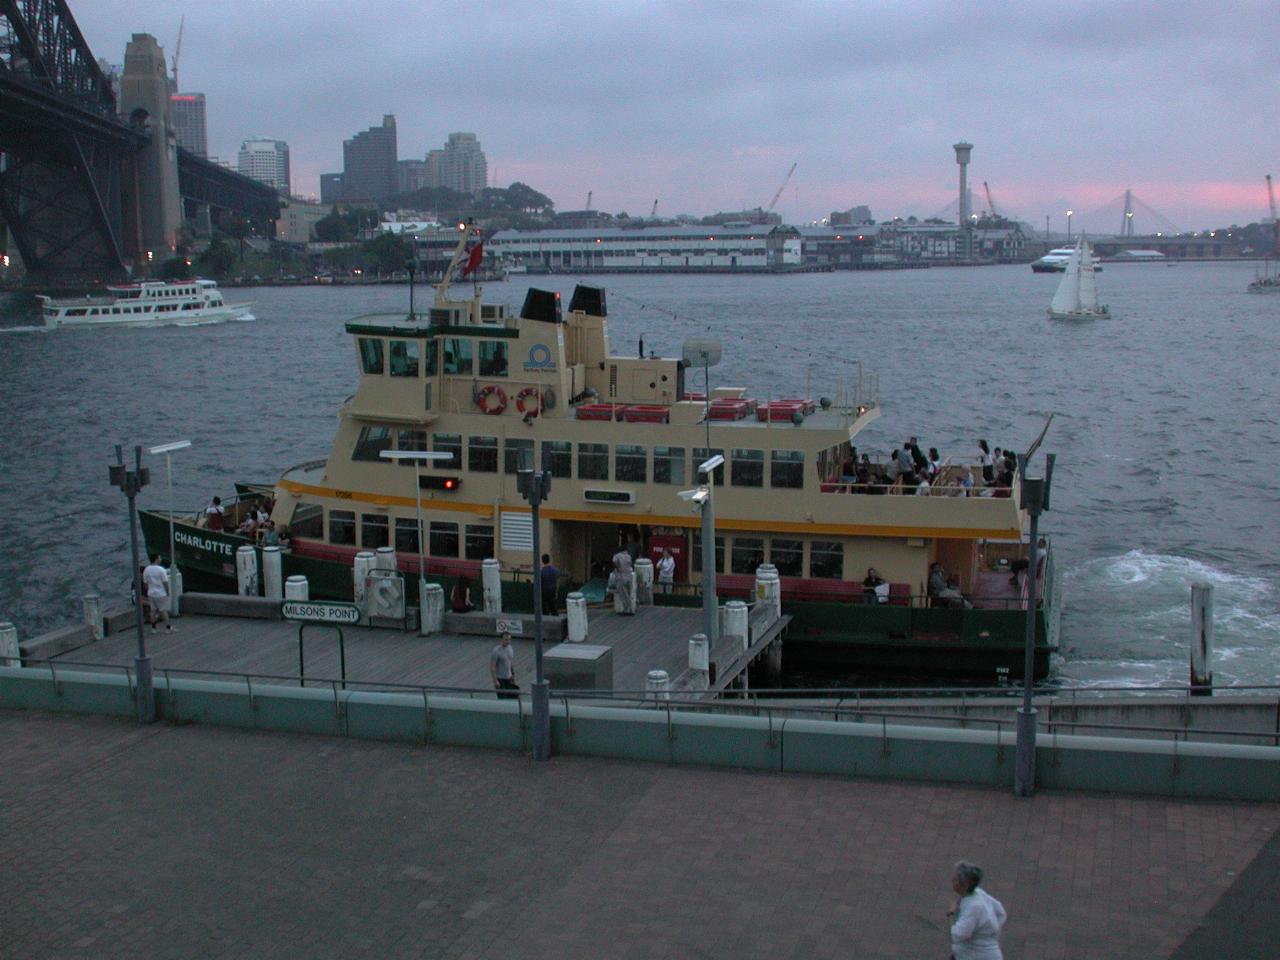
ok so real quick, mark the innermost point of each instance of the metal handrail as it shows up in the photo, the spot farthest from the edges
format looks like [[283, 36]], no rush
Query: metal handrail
[[849, 707]]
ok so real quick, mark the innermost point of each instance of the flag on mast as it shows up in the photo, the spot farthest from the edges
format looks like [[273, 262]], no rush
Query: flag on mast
[[473, 261]]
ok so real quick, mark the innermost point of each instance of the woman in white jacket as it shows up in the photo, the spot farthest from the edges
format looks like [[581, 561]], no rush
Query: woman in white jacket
[[976, 918]]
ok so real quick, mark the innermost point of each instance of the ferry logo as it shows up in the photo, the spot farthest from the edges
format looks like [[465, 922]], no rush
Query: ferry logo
[[207, 544], [539, 358]]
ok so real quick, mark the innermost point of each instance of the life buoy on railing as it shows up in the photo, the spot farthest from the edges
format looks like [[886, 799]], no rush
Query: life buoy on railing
[[491, 399], [527, 402]]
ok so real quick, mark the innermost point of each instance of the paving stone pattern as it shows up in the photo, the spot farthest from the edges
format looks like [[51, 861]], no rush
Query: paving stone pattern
[[177, 842]]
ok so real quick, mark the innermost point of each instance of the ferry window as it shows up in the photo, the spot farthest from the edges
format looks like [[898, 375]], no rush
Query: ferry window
[[482, 455], [373, 530], [76, 312], [493, 358], [748, 468], [593, 461], [826, 559], [512, 450], [342, 527], [370, 355], [557, 457], [430, 358], [406, 535], [457, 355], [748, 553], [697, 552], [404, 358], [702, 455], [371, 442], [410, 440], [443, 539], [479, 544], [668, 465], [629, 463], [787, 556], [787, 469], [308, 521], [447, 443]]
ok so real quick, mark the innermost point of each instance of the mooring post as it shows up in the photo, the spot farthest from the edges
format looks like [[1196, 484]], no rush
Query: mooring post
[[1201, 639]]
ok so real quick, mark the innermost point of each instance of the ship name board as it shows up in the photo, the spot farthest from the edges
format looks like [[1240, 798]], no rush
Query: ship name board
[[203, 543]]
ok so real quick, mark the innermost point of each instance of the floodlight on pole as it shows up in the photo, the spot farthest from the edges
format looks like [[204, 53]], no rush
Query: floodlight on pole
[[418, 456], [169, 449], [704, 499]]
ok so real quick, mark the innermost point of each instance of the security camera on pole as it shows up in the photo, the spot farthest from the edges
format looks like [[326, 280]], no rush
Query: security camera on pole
[[535, 486], [702, 501], [130, 482]]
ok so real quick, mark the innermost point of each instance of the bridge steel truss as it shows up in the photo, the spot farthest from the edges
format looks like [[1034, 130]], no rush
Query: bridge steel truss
[[63, 151]]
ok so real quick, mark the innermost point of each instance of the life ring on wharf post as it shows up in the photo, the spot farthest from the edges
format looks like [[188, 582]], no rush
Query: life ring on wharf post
[[491, 399], [528, 402]]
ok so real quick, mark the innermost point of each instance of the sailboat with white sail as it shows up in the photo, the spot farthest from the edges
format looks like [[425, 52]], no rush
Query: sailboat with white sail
[[1077, 296]]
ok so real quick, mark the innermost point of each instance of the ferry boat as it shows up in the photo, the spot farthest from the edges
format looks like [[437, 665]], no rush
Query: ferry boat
[[1056, 260], [150, 303], [623, 436]]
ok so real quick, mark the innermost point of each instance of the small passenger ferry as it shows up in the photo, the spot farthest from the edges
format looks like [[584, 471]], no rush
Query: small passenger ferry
[[150, 303], [623, 436]]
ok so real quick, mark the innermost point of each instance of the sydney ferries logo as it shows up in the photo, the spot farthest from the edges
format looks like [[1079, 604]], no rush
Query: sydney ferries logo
[[539, 358]]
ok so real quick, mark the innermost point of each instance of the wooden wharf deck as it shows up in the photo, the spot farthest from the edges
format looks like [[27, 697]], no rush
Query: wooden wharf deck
[[654, 638]]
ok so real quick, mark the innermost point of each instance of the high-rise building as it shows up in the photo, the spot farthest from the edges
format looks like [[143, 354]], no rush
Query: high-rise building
[[331, 188], [460, 166], [369, 163], [411, 175], [267, 161], [187, 111]]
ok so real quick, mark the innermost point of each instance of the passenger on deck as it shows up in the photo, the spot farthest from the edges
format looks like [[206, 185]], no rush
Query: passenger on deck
[[270, 535], [460, 598], [937, 582], [988, 464], [951, 595], [874, 589], [923, 488], [214, 515], [248, 525], [917, 456], [906, 465], [935, 463], [624, 595]]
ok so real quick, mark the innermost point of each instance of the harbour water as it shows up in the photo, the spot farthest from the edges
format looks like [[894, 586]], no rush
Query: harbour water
[[1165, 432]]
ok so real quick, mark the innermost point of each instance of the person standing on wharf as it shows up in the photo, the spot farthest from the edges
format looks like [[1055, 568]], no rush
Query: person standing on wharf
[[502, 668], [156, 579]]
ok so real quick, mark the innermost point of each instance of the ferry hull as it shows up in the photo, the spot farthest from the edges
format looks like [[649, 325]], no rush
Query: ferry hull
[[985, 646]]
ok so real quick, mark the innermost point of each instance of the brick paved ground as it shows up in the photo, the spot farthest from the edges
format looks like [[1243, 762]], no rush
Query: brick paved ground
[[121, 841]]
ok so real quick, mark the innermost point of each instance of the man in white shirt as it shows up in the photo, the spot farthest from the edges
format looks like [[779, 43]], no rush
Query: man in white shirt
[[666, 572], [155, 580]]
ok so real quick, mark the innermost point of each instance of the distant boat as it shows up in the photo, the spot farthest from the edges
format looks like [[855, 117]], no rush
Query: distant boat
[[147, 304], [1077, 296], [1268, 281], [1055, 261]]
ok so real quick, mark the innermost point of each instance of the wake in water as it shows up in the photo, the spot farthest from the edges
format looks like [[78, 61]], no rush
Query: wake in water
[[1136, 627]]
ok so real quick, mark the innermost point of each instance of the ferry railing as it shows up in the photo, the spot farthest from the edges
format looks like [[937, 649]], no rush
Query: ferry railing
[[777, 704]]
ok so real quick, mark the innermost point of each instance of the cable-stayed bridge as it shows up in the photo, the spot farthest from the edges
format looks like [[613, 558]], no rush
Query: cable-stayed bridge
[[92, 189]]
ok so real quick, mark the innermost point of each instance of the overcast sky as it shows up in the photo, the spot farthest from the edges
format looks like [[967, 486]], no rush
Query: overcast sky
[[704, 106]]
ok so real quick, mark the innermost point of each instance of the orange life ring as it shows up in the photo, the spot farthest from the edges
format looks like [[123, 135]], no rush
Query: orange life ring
[[528, 402], [491, 399]]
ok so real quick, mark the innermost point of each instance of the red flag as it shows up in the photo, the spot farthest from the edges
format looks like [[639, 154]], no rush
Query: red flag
[[473, 261]]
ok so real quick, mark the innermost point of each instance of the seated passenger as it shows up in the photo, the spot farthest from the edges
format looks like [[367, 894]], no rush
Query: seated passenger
[[247, 525], [951, 596], [874, 589], [270, 536], [937, 582]]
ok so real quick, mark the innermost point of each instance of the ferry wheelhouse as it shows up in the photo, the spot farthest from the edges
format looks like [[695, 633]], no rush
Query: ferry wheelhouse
[[150, 303], [622, 436]]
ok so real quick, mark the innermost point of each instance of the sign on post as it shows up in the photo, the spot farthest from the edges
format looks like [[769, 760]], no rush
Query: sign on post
[[320, 611]]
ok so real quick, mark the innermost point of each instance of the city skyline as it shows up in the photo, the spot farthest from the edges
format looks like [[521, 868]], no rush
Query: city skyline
[[704, 107]]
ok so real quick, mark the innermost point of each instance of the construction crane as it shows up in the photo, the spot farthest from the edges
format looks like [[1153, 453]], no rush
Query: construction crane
[[778, 195], [588, 201], [654, 211], [991, 204], [1275, 224], [177, 52]]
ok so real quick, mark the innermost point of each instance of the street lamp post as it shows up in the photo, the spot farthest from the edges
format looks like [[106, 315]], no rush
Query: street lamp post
[[418, 457], [1069, 212], [535, 486], [1035, 497], [169, 449], [412, 266], [130, 482]]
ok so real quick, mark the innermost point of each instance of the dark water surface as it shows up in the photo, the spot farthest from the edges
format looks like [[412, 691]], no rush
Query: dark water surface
[[1166, 430]]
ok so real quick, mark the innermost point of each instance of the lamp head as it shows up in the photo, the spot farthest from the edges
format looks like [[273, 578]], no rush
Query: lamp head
[[708, 465], [170, 447]]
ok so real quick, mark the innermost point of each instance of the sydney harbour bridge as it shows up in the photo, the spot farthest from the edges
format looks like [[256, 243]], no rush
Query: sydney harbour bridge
[[93, 186]]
